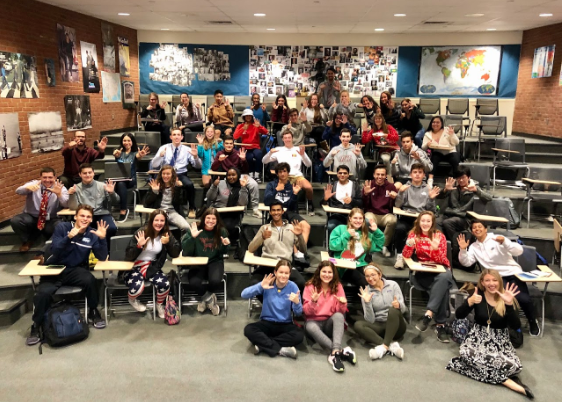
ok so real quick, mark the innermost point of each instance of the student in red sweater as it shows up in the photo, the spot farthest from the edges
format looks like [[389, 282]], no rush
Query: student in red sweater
[[324, 308], [430, 246], [75, 154], [250, 131], [382, 134]]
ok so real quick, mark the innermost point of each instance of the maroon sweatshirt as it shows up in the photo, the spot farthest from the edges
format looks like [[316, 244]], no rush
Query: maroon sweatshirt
[[75, 157], [379, 201], [232, 161]]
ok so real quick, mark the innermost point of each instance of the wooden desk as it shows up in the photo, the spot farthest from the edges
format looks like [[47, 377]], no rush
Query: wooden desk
[[399, 211], [505, 150], [332, 210], [243, 145], [439, 147], [114, 266], [34, 269], [385, 146], [339, 263], [417, 267], [189, 143], [557, 234], [182, 260], [153, 171], [66, 212], [251, 259], [547, 182], [214, 173], [487, 218], [239, 208], [140, 209]]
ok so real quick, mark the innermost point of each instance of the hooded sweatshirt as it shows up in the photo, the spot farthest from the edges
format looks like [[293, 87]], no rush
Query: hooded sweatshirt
[[250, 135], [220, 195], [280, 244], [95, 195], [345, 156], [286, 196], [325, 306], [379, 201], [415, 198], [381, 302], [232, 161], [405, 160], [492, 255]]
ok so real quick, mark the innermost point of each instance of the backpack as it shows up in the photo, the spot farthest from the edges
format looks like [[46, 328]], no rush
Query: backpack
[[172, 313], [64, 325], [460, 328]]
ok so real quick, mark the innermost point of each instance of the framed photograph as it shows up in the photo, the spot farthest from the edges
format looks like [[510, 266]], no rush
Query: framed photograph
[[128, 91]]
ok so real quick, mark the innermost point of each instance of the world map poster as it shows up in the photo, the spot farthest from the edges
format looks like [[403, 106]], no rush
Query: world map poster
[[459, 70]]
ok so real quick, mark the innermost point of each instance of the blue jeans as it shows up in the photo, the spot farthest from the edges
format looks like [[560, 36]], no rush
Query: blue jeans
[[254, 159], [121, 190], [419, 137]]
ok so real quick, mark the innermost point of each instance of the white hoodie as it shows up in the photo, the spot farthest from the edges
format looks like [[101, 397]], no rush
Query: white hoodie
[[492, 255]]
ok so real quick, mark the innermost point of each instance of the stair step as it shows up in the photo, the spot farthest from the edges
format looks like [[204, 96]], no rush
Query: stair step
[[12, 310]]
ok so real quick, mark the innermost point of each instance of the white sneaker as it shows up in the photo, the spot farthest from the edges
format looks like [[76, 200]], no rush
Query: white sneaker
[[430, 183], [378, 352], [137, 305], [299, 254], [201, 307], [399, 262], [396, 350], [213, 306], [288, 352], [385, 252], [257, 213], [160, 310]]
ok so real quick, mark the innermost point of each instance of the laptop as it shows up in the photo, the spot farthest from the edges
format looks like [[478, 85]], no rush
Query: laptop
[[117, 171]]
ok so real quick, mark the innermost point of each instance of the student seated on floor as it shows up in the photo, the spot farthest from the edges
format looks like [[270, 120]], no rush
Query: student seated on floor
[[275, 334], [71, 246], [149, 247]]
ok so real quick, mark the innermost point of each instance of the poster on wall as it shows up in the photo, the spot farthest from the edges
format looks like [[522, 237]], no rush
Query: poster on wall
[[172, 64], [459, 70], [77, 110], [123, 56], [18, 76], [68, 54], [10, 139], [128, 91], [46, 131], [111, 87], [109, 64], [50, 72], [90, 76], [301, 70], [543, 61]]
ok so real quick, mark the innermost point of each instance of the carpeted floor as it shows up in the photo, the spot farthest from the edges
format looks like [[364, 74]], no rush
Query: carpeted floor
[[207, 358]]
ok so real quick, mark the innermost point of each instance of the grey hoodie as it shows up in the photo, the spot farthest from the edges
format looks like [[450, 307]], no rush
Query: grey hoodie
[[299, 131], [415, 199], [95, 195], [218, 196], [377, 308], [405, 160], [280, 244], [346, 156]]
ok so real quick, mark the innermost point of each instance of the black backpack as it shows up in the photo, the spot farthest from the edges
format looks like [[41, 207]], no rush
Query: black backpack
[[64, 325]]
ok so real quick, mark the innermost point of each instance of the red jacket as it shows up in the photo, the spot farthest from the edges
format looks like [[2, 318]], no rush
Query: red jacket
[[391, 140], [250, 136], [423, 250]]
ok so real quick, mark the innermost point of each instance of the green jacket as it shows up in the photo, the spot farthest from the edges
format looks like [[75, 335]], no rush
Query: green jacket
[[203, 246], [339, 242]]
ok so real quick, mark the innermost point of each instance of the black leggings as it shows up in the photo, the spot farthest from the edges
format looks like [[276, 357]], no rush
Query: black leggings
[[213, 272], [453, 158]]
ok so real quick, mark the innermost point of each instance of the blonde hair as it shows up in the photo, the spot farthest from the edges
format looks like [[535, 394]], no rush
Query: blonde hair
[[213, 143], [364, 238], [499, 303]]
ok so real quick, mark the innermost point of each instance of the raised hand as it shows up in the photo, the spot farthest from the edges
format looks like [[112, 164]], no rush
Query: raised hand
[[178, 183], [366, 294], [294, 297], [297, 228], [257, 123], [267, 233], [367, 189], [393, 195], [72, 190], [365, 126], [101, 230], [194, 150], [357, 149], [225, 241], [163, 153], [154, 185], [450, 182], [57, 188], [328, 193], [194, 230], [225, 102], [243, 153], [314, 295], [102, 144], [404, 187], [200, 138], [345, 119], [280, 186], [222, 157], [263, 107], [472, 188], [110, 186], [511, 290], [74, 231], [143, 152], [273, 150], [395, 303], [164, 104], [373, 226], [141, 239], [228, 131], [462, 242], [117, 152], [165, 238], [433, 192], [267, 282], [34, 187], [500, 239], [216, 181], [352, 232], [72, 144], [475, 298], [335, 151], [329, 123], [244, 180], [296, 188], [436, 242], [334, 104], [342, 300], [415, 155]]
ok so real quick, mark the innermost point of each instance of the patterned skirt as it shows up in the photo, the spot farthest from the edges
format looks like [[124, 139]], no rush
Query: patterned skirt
[[487, 356]]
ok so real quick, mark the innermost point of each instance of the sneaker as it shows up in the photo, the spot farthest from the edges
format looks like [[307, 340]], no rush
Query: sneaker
[[160, 310], [96, 319], [137, 305], [192, 214], [442, 335], [386, 253], [534, 329], [24, 248], [201, 307], [257, 350], [288, 352], [335, 361], [348, 355], [423, 323], [213, 306], [396, 350], [256, 213], [33, 338], [378, 352], [311, 211], [122, 218], [399, 262]]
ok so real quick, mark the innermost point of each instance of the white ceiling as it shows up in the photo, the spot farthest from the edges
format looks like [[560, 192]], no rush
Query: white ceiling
[[321, 16]]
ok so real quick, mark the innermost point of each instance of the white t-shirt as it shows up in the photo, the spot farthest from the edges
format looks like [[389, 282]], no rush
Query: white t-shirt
[[291, 156], [342, 191], [154, 247]]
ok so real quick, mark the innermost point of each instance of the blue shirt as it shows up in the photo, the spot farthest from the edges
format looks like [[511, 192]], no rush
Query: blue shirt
[[208, 155], [182, 159], [276, 305], [260, 115], [75, 252]]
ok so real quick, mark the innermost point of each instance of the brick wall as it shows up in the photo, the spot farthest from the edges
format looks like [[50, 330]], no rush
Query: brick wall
[[30, 27], [538, 103]]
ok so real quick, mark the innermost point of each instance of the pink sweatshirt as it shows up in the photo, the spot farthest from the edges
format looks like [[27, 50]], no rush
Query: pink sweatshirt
[[326, 305]]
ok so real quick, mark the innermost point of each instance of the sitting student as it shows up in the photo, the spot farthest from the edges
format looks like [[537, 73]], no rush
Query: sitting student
[[71, 247], [414, 196], [279, 114], [294, 157], [188, 116], [287, 241], [347, 195], [275, 333], [259, 110], [487, 354], [410, 120], [316, 115], [75, 154], [157, 114], [232, 158], [324, 308], [345, 108], [165, 195], [100, 196], [332, 133], [220, 114], [407, 156], [430, 246], [438, 135], [346, 154], [149, 247], [383, 305], [497, 252], [298, 126], [353, 242], [460, 200], [43, 198], [128, 152], [249, 132], [208, 147], [370, 107], [179, 156], [378, 198], [383, 135], [390, 110], [207, 238]]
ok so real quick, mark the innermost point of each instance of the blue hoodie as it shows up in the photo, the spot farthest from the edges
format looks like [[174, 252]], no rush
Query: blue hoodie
[[286, 196], [276, 306], [75, 252]]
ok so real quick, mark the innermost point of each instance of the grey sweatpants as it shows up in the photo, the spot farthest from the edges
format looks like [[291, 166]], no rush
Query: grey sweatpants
[[327, 333], [177, 220], [438, 286]]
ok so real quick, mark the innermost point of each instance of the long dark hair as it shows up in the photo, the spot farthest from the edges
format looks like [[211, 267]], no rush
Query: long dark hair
[[150, 232], [417, 225], [316, 109], [174, 177], [430, 128], [375, 106], [190, 106], [384, 127], [218, 225], [316, 279], [133, 142], [386, 111]]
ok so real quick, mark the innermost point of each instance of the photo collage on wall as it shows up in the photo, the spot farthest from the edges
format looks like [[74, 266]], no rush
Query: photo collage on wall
[[294, 70], [172, 64], [211, 65]]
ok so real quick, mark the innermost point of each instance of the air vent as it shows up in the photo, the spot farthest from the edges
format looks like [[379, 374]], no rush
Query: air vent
[[220, 22], [435, 23]]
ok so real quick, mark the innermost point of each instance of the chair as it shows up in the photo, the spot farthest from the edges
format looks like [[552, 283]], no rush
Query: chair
[[542, 188], [557, 235], [269, 101], [241, 213], [458, 112], [484, 107], [430, 106], [497, 213], [239, 105], [117, 253], [493, 126], [358, 116], [512, 157], [480, 173]]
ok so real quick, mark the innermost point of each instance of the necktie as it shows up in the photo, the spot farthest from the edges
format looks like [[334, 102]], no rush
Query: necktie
[[173, 160], [43, 210]]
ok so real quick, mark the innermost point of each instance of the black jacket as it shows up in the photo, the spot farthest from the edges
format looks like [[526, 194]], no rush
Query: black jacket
[[356, 196], [153, 200], [172, 248]]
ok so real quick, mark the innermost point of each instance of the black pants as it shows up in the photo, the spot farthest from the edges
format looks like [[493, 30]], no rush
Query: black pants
[[161, 128], [68, 181], [317, 133], [71, 276], [189, 190], [193, 128], [270, 336], [403, 226], [25, 226], [230, 221], [453, 158], [524, 298], [354, 276], [213, 272], [452, 226]]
